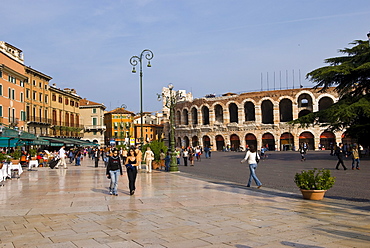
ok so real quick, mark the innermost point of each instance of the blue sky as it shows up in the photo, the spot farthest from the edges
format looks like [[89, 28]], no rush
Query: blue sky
[[202, 46]]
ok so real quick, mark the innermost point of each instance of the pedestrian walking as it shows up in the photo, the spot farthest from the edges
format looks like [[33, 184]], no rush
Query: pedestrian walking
[[339, 151], [114, 169], [131, 168], [355, 157], [162, 157], [62, 157], [252, 159], [96, 157], [124, 156], [167, 161], [78, 157], [185, 155], [191, 156], [148, 157], [302, 151], [139, 157]]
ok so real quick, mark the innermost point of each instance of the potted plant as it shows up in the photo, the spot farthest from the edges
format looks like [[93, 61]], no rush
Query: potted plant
[[16, 156], [33, 153], [314, 183]]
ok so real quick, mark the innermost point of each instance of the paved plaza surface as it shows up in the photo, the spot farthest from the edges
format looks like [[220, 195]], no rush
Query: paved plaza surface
[[72, 208], [278, 170]]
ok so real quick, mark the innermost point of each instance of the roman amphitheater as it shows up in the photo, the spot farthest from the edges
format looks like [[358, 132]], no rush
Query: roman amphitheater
[[254, 118]]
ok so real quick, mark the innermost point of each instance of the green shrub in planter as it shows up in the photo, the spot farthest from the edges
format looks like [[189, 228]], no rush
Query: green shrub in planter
[[314, 179]]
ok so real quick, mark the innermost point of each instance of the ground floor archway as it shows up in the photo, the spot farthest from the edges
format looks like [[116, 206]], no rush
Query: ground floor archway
[[235, 142], [309, 138], [206, 141], [268, 141], [250, 140], [195, 141], [286, 142], [186, 141], [220, 143], [327, 140]]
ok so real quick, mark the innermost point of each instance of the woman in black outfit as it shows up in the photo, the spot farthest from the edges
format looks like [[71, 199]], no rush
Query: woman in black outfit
[[114, 169], [131, 168]]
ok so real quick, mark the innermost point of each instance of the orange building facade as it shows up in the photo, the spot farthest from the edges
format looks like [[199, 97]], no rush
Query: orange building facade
[[12, 82]]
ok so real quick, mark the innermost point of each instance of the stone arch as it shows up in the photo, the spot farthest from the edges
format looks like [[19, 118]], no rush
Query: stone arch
[[185, 115], [206, 141], [267, 109], [186, 141], [235, 142], [286, 142], [249, 111], [309, 138], [205, 115], [325, 103], [268, 141], [250, 139], [327, 139], [178, 142], [194, 116], [178, 117], [233, 113], [194, 141], [219, 114], [286, 110], [220, 142], [305, 100]]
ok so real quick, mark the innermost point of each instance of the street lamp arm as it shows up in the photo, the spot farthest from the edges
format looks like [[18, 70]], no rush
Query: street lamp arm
[[134, 60]]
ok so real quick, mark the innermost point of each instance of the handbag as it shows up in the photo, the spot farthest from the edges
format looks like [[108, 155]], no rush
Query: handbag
[[257, 160]]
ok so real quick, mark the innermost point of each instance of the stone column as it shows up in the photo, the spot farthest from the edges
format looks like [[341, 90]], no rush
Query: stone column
[[276, 113], [241, 116], [258, 114]]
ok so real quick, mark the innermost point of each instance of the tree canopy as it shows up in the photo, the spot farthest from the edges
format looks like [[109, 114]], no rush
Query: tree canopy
[[350, 74]]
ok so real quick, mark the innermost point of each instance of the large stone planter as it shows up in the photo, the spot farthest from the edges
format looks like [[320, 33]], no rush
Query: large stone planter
[[315, 195]]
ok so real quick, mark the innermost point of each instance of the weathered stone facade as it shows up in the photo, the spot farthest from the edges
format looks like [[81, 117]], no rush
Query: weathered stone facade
[[254, 118]]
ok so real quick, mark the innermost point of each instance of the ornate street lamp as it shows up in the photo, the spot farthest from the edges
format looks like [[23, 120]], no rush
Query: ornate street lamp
[[170, 102], [123, 106], [134, 60]]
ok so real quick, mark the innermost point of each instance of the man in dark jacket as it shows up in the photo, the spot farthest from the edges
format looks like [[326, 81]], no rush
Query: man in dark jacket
[[340, 154], [114, 168]]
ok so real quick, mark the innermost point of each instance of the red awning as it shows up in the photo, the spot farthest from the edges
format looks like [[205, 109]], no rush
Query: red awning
[[306, 135], [267, 136]]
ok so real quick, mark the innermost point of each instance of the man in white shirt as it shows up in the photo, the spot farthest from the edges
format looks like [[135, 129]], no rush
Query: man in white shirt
[[62, 157]]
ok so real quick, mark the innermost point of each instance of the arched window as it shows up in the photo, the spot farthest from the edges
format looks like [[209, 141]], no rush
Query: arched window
[[286, 110], [185, 117], [194, 116], [267, 112], [325, 103], [249, 111], [219, 114], [233, 111], [205, 113]]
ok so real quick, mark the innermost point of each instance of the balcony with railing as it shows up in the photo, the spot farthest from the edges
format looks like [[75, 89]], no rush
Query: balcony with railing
[[39, 120], [93, 128]]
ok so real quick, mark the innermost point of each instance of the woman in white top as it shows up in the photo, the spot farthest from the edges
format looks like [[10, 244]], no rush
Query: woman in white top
[[252, 157], [148, 157]]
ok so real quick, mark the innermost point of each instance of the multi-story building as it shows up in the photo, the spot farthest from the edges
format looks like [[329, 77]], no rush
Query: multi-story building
[[152, 128], [92, 117], [65, 113], [37, 100], [12, 81], [120, 127], [255, 118]]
